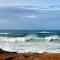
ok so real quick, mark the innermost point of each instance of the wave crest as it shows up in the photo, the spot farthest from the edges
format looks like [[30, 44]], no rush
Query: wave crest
[[45, 32], [52, 38], [31, 37], [4, 33]]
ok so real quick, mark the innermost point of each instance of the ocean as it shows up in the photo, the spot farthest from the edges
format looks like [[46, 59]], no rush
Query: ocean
[[30, 41]]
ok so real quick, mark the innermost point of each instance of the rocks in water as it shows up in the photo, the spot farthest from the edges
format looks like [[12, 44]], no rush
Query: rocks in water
[[51, 40], [2, 51]]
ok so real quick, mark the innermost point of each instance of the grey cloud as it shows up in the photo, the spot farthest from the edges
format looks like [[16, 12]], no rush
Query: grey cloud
[[55, 6], [23, 18]]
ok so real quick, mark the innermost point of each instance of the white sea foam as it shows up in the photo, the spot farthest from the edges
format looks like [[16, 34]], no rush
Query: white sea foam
[[30, 38], [30, 47], [54, 37], [45, 32], [4, 33], [34, 44], [11, 39]]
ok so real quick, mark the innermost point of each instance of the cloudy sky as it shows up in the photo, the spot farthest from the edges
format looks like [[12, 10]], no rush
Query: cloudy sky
[[30, 14]]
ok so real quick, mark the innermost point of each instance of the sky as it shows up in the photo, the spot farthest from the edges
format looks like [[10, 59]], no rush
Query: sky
[[29, 2], [30, 14], [43, 3]]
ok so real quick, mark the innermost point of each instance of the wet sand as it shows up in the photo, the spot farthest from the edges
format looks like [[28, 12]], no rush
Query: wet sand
[[4, 55]]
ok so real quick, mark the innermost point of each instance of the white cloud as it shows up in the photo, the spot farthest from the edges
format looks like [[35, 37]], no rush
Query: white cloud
[[38, 8], [30, 16]]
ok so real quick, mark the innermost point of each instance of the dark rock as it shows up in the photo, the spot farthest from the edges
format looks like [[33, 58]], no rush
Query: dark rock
[[9, 58]]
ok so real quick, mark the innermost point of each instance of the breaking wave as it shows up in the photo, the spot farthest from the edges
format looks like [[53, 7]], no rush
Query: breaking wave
[[31, 38], [45, 32], [33, 41], [4, 33]]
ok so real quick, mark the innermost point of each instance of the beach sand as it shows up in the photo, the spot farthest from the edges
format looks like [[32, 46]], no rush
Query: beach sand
[[4, 55]]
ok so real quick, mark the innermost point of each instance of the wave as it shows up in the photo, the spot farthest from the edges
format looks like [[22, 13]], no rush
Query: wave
[[11, 39], [45, 32], [30, 43], [54, 37], [31, 38], [4, 33]]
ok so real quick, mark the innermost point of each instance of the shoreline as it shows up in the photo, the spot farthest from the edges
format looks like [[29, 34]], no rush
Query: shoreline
[[5, 55]]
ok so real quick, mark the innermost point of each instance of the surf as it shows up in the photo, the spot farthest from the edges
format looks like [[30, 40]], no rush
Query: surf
[[30, 38]]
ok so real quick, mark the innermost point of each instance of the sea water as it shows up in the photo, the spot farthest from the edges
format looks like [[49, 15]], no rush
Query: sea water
[[30, 41]]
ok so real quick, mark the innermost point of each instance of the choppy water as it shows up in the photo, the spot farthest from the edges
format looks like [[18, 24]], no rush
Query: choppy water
[[30, 40]]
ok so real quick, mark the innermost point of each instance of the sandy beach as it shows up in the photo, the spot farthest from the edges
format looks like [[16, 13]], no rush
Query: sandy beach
[[4, 55]]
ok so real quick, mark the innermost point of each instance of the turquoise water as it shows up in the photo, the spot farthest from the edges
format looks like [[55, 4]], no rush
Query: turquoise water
[[22, 33]]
